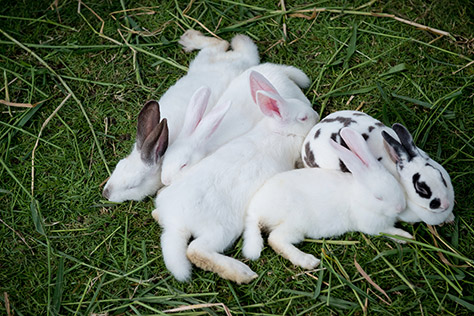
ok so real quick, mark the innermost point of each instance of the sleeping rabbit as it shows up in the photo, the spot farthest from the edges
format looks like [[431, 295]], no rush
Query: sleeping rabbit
[[214, 66], [427, 185], [196, 140], [207, 204], [321, 203]]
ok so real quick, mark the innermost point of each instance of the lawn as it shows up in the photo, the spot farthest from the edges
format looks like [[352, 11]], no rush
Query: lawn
[[74, 75]]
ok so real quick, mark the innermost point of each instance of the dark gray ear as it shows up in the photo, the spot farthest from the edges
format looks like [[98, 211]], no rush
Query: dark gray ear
[[406, 139], [148, 119], [155, 144], [396, 150]]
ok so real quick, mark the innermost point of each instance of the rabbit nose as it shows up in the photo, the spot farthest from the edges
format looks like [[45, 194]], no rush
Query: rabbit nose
[[106, 193], [165, 181], [445, 204]]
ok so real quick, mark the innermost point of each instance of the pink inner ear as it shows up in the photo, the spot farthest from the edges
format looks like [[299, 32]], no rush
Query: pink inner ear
[[199, 115], [356, 143], [259, 82], [365, 162], [268, 105]]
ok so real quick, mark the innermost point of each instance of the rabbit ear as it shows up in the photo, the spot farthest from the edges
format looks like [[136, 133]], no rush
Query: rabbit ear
[[195, 110], [359, 158], [155, 144], [398, 153], [406, 139], [259, 83], [211, 121], [270, 104], [148, 119]]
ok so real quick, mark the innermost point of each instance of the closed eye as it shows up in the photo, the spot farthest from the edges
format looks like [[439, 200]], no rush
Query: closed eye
[[183, 166], [421, 188]]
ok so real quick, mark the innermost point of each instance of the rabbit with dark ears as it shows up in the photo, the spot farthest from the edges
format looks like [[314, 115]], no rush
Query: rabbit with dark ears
[[195, 142], [208, 203], [322, 203], [151, 143], [428, 188], [214, 66]]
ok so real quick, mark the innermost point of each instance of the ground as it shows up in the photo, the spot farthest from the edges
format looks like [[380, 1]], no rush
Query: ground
[[87, 67]]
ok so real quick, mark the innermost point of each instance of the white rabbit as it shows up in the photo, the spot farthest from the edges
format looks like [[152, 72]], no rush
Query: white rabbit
[[320, 203], [428, 188], [194, 143], [215, 67], [208, 203]]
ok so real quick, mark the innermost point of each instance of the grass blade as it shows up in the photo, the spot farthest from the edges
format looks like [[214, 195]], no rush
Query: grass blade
[[352, 47], [58, 289]]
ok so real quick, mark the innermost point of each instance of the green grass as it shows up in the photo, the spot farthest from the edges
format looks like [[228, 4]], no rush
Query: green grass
[[66, 251]]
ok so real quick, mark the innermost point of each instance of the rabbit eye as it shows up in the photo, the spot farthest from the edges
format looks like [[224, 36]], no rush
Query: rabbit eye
[[183, 166], [304, 118], [421, 188], [379, 198]]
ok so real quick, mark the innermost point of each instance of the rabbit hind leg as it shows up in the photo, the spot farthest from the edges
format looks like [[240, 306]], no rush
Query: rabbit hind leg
[[282, 242], [204, 253]]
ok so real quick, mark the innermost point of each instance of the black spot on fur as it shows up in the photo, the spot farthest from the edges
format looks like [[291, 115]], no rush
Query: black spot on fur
[[343, 144], [309, 157], [334, 136], [379, 159], [441, 175], [366, 136], [371, 128], [346, 121], [435, 203], [442, 179], [421, 188], [318, 132], [343, 167], [359, 114], [378, 124]]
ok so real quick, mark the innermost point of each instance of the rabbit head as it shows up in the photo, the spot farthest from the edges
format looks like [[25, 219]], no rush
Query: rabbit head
[[290, 117], [428, 186], [378, 190], [137, 175], [190, 146]]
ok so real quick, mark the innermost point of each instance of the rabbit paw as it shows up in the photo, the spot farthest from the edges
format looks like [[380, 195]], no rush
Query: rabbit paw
[[252, 251], [193, 39], [307, 261], [238, 272], [399, 232]]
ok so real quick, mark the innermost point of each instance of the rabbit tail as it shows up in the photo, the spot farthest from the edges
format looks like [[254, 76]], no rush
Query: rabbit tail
[[253, 241], [174, 244], [297, 76]]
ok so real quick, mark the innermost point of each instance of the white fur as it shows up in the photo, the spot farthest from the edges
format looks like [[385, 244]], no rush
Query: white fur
[[321, 203], [194, 143], [208, 203], [214, 67], [431, 172]]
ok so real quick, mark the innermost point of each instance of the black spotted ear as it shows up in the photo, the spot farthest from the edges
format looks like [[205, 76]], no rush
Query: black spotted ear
[[406, 139], [155, 144], [148, 119], [393, 147]]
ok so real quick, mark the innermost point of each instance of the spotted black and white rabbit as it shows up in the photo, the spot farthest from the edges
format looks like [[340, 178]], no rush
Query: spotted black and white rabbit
[[428, 188], [321, 203]]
